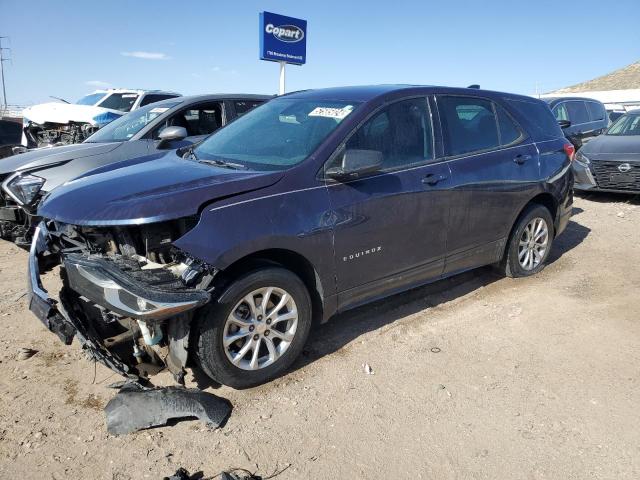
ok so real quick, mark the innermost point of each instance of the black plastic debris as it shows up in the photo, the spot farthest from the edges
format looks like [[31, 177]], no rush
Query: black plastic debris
[[136, 407], [183, 474], [233, 475]]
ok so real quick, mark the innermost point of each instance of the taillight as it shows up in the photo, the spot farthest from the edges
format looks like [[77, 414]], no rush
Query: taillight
[[570, 150]]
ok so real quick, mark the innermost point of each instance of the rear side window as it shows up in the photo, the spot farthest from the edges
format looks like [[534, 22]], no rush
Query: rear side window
[[577, 112], [596, 111], [469, 124], [243, 106], [509, 131], [538, 118], [401, 131]]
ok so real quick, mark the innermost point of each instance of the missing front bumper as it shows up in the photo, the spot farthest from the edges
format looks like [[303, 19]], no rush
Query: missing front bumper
[[108, 286], [96, 293], [55, 317]]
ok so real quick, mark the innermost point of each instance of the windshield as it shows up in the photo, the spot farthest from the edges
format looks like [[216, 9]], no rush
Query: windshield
[[91, 99], [277, 135], [628, 124], [128, 125]]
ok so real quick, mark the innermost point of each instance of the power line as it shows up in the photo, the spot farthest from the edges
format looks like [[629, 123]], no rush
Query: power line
[[2, 60]]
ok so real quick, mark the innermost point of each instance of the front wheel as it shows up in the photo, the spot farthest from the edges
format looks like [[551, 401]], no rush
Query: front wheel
[[256, 328], [530, 242]]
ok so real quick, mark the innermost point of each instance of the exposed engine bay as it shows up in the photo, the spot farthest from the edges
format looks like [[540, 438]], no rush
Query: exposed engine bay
[[54, 134], [133, 291]]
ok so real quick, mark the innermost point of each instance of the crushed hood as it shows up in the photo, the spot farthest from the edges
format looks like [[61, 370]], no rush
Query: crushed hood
[[613, 147], [42, 157], [64, 113], [166, 188]]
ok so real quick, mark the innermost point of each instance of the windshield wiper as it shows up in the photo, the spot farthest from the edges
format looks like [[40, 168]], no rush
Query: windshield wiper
[[224, 163], [190, 154]]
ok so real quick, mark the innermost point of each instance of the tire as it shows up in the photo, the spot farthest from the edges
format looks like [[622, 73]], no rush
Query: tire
[[274, 354], [516, 263]]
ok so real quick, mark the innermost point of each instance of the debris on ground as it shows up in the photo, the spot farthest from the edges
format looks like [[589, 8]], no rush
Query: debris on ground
[[136, 407], [232, 474], [25, 353], [367, 369], [183, 474], [244, 474], [19, 295]]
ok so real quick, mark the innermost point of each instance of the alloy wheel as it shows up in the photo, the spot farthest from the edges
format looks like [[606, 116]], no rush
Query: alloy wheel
[[533, 245], [260, 328]]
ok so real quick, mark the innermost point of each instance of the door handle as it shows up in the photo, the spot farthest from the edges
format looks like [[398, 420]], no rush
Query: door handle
[[432, 178], [520, 159]]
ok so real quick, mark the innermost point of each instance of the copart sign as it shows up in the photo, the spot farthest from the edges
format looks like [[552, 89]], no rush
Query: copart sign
[[283, 39]]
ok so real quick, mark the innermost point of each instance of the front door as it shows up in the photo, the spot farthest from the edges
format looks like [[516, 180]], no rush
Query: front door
[[390, 227]]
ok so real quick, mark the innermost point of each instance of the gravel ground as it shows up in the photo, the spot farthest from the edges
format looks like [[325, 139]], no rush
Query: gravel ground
[[475, 377]]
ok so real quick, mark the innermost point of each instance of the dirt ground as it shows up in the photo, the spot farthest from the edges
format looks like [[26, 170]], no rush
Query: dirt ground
[[476, 377]]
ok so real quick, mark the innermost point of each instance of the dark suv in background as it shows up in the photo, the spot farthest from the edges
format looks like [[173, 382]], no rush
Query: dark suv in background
[[311, 204], [580, 118]]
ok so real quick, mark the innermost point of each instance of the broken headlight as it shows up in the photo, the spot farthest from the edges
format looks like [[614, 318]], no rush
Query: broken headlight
[[23, 188], [582, 158]]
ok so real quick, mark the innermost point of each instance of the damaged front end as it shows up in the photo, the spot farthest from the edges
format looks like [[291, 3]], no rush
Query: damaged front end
[[15, 223], [53, 134], [127, 293]]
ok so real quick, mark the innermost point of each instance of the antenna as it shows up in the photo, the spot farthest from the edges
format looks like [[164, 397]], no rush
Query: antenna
[[2, 60]]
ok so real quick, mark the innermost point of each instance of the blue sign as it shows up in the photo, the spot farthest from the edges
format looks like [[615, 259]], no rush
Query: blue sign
[[283, 39]]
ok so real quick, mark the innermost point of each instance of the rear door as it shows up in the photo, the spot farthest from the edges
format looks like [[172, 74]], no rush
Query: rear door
[[391, 226], [598, 117], [581, 128], [494, 168]]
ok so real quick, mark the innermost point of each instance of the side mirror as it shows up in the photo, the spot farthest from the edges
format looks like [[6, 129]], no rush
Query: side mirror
[[564, 123], [170, 134], [356, 163]]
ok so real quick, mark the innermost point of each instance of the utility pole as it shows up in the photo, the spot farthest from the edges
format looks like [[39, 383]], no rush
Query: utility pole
[[2, 60]]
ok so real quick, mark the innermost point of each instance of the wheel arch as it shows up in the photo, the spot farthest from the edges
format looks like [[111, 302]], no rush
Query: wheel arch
[[288, 259], [544, 199]]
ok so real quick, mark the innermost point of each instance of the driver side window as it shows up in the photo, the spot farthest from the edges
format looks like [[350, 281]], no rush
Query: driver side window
[[401, 132], [202, 119]]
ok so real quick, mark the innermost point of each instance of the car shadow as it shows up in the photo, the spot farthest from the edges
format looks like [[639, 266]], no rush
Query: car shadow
[[607, 197], [572, 236], [344, 328]]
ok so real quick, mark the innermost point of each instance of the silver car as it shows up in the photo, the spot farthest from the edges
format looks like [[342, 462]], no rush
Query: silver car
[[147, 132], [611, 162]]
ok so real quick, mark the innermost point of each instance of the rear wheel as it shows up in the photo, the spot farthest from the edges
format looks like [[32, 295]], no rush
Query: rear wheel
[[530, 242], [256, 329]]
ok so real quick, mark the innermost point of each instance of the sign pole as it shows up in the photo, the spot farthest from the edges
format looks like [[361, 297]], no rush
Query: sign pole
[[282, 70], [283, 40]]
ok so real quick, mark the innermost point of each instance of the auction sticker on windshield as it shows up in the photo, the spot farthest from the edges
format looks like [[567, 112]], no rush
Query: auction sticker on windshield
[[328, 112], [159, 110]]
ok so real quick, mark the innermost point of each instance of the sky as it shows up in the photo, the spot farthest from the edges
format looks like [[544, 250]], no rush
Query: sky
[[69, 48]]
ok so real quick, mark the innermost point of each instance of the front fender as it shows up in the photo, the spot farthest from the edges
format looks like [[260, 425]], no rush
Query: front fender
[[298, 221]]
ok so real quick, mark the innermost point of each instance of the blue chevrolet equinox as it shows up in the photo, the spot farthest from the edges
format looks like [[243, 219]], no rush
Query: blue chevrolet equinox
[[318, 201]]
